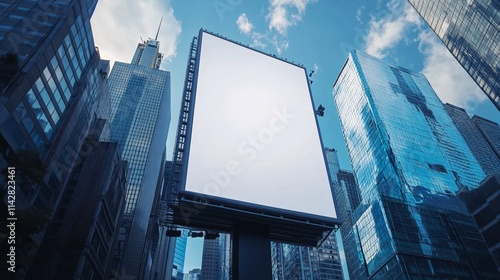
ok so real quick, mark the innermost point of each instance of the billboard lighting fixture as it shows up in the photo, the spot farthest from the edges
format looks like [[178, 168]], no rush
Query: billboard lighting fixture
[[321, 110], [173, 233], [195, 234], [211, 235]]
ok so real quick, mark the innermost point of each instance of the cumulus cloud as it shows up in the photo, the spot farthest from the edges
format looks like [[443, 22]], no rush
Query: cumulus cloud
[[119, 25], [279, 44], [359, 14], [450, 81], [259, 40], [447, 77], [285, 13], [388, 30], [281, 15], [244, 24]]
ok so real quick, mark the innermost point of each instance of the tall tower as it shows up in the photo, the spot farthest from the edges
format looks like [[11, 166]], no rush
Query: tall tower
[[409, 161], [348, 198], [140, 117], [51, 85], [469, 29], [482, 136], [180, 255], [216, 262], [53, 96]]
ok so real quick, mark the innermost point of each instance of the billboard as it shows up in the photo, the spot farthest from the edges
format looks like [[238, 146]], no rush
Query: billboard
[[254, 137]]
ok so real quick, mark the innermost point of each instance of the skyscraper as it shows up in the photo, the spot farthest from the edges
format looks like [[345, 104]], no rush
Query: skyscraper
[[140, 117], [50, 73], [180, 255], [216, 258], [483, 204], [82, 236], [328, 257], [470, 30], [481, 135], [348, 199], [194, 274], [53, 89], [409, 161]]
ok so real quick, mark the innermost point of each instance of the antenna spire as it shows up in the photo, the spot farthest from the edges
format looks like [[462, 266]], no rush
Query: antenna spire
[[156, 38]]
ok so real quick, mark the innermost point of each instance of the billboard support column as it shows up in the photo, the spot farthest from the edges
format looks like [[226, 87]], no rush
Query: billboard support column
[[251, 254]]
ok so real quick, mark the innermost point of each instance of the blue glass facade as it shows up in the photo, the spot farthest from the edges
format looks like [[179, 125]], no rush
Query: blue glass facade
[[180, 255], [140, 117], [94, 197], [471, 31], [484, 205], [490, 131], [409, 161], [51, 100], [480, 134], [347, 197]]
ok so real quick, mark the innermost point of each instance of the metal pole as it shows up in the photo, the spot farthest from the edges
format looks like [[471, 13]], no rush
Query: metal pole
[[251, 252]]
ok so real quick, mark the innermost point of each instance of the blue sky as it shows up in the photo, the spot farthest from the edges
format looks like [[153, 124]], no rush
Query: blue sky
[[316, 33]]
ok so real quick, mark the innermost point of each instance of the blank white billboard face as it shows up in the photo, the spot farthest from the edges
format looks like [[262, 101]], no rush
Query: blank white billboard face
[[254, 133]]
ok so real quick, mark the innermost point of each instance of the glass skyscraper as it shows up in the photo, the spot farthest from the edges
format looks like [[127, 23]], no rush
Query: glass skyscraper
[[51, 85], [347, 197], [409, 161], [216, 259], [180, 255], [471, 31], [140, 117], [482, 136], [53, 93]]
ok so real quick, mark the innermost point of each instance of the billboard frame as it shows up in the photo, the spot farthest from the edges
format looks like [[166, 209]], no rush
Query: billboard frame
[[203, 211]]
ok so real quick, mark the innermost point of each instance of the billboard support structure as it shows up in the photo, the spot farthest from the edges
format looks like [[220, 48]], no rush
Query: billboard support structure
[[251, 252]]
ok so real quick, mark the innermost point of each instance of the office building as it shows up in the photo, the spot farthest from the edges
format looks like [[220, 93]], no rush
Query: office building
[[216, 259], [180, 255], [482, 136], [82, 236], [470, 30], [328, 257], [50, 100], [165, 257], [409, 161], [484, 205], [293, 262], [194, 274], [140, 117], [348, 198], [53, 88]]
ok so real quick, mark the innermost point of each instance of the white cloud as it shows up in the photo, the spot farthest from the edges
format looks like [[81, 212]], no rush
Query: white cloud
[[244, 25], [285, 13], [387, 31], [258, 40], [447, 77], [359, 14], [119, 25], [281, 15]]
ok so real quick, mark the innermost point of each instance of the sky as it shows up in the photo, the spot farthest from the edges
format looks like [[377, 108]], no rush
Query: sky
[[315, 33]]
